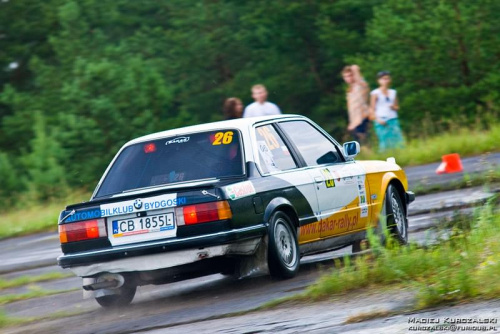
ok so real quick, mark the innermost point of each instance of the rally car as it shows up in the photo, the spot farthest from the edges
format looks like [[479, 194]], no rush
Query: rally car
[[217, 197]]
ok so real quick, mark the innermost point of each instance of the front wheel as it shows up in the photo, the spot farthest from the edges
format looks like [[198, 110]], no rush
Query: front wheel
[[283, 256], [395, 216]]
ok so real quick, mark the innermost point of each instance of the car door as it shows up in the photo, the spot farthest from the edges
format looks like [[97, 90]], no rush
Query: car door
[[339, 184], [280, 171]]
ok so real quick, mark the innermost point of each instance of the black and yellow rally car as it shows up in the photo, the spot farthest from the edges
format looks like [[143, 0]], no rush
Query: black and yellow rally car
[[211, 198]]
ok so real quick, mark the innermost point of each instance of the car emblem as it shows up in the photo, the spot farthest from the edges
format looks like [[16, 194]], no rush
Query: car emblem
[[138, 203]]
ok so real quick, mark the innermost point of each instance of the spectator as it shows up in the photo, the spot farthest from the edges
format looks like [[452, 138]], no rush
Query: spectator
[[261, 107], [233, 108], [357, 102], [384, 108]]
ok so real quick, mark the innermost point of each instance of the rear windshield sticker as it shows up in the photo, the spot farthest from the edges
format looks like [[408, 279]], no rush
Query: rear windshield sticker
[[223, 138], [240, 190], [178, 140]]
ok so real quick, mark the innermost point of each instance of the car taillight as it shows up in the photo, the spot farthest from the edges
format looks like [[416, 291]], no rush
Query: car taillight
[[84, 230], [202, 213]]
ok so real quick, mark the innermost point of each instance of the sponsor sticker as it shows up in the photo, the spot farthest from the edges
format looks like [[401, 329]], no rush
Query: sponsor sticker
[[364, 211], [362, 191], [267, 156], [348, 179], [240, 190], [329, 181], [178, 140], [362, 199], [145, 204], [84, 215]]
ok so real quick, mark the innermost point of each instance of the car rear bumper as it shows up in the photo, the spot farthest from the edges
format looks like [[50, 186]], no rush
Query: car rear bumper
[[163, 248], [164, 261]]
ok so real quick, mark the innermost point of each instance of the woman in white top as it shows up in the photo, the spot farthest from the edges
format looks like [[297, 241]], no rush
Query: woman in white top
[[384, 108]]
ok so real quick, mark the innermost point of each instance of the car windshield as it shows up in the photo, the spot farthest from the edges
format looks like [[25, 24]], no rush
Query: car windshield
[[186, 158]]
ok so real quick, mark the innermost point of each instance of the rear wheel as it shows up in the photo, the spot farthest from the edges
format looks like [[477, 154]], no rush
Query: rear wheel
[[283, 256], [125, 295]]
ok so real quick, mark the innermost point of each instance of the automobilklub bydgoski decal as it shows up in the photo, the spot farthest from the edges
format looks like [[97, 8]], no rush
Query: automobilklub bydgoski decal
[[128, 207]]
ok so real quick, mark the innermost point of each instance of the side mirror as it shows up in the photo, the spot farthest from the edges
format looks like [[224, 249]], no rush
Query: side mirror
[[351, 149]]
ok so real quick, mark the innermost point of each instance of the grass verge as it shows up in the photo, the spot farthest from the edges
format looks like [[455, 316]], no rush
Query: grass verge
[[465, 266], [7, 321], [491, 179], [420, 151], [35, 218], [23, 280], [34, 292], [367, 316]]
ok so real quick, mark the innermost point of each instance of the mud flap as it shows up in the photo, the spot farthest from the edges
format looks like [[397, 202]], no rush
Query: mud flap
[[256, 264]]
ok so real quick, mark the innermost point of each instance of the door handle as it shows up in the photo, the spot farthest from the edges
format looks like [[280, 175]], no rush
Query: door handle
[[318, 179]]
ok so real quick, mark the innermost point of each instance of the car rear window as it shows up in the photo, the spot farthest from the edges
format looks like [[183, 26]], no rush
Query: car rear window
[[191, 157]]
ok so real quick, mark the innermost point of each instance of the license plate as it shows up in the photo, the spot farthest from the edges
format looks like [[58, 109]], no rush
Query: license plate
[[143, 225]]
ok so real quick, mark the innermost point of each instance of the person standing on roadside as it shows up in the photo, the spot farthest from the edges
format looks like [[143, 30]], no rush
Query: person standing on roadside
[[261, 107], [384, 108], [233, 108], [357, 102]]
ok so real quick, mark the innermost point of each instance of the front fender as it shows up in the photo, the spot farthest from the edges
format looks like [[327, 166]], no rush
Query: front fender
[[378, 186]]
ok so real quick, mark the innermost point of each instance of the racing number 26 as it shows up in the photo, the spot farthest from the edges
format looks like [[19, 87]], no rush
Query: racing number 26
[[223, 138]]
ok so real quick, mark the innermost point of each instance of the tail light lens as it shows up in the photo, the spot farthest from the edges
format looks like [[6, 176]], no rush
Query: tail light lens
[[84, 230], [202, 213]]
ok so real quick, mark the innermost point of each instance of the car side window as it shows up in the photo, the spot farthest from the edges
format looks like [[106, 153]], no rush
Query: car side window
[[273, 153], [314, 147]]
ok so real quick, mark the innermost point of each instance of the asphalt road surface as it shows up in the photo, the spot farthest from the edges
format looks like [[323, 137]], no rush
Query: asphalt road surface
[[425, 175], [202, 305]]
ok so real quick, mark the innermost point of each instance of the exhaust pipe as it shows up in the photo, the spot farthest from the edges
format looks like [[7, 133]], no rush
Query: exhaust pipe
[[106, 281]]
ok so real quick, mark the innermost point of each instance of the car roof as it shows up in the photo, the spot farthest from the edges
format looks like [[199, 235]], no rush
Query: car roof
[[241, 124]]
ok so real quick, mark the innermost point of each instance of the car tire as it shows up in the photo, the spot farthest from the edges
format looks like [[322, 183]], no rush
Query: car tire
[[124, 297], [283, 256], [395, 215]]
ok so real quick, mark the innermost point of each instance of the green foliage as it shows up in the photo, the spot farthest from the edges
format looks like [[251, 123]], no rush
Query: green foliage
[[103, 72], [24, 280], [37, 217], [34, 292], [443, 55], [464, 141], [45, 174], [9, 181]]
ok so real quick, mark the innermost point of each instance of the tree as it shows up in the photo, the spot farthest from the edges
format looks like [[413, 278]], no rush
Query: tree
[[46, 176], [440, 52]]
